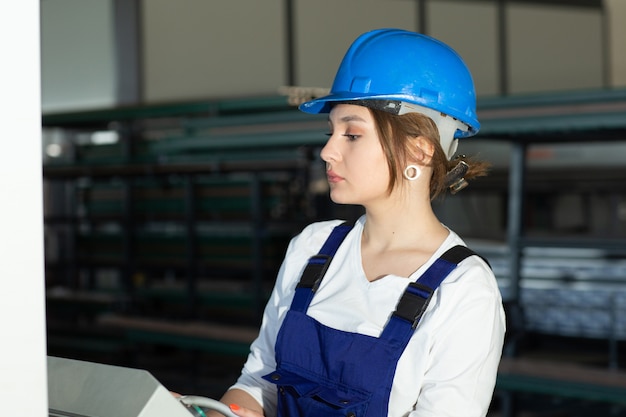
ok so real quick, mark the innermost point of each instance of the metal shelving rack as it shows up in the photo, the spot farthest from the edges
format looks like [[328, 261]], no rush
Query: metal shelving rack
[[571, 117], [233, 169]]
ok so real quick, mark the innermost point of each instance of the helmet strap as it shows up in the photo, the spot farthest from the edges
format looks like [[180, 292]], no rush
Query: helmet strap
[[446, 125]]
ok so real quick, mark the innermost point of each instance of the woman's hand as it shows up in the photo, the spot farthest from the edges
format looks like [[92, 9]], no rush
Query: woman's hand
[[244, 412], [240, 404]]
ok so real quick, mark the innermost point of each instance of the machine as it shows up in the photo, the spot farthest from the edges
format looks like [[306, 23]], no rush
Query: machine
[[86, 389]]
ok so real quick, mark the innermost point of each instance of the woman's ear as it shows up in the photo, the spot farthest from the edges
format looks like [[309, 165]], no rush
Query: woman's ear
[[422, 149]]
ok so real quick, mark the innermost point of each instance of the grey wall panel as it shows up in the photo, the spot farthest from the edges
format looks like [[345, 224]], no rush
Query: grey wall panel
[[471, 29], [196, 49], [554, 48], [616, 37], [77, 54], [326, 28]]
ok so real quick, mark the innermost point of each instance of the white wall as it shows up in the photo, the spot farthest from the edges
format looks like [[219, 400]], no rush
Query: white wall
[[23, 384]]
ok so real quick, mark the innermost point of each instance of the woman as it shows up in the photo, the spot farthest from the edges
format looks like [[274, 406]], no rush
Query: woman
[[352, 337]]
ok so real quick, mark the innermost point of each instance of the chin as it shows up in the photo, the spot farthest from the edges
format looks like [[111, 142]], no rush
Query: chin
[[339, 199]]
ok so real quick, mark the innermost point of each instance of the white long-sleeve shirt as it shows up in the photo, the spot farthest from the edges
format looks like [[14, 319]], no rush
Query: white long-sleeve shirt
[[449, 366]]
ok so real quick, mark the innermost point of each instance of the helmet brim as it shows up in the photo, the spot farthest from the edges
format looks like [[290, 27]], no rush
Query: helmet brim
[[325, 104]]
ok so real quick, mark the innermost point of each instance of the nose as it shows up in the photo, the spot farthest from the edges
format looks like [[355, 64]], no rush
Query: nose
[[330, 152]]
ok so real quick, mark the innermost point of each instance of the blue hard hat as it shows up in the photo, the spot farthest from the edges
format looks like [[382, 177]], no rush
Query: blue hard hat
[[397, 66]]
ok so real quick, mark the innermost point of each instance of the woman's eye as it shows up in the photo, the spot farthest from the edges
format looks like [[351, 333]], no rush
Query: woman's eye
[[351, 137]]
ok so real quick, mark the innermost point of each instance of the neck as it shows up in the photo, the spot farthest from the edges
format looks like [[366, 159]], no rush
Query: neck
[[394, 226]]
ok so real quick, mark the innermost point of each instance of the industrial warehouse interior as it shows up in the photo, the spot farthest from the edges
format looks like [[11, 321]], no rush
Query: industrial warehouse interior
[[176, 168]]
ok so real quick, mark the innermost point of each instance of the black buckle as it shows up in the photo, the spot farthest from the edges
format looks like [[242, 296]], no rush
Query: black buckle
[[412, 304], [314, 271]]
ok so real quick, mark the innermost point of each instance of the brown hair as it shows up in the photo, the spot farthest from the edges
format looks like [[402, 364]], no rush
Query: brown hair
[[394, 131]]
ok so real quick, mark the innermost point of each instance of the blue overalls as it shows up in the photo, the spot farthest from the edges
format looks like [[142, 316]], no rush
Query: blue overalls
[[325, 372]]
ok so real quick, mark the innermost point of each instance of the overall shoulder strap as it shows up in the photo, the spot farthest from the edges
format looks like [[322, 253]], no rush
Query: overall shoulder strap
[[418, 294], [317, 266]]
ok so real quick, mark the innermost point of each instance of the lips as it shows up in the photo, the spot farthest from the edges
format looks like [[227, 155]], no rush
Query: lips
[[332, 177]]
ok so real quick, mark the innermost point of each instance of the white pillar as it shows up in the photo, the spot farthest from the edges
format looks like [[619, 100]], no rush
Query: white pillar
[[616, 20], [23, 381]]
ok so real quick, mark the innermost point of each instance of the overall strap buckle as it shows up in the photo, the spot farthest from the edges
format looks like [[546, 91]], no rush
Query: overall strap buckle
[[417, 295], [413, 303], [314, 271], [316, 268]]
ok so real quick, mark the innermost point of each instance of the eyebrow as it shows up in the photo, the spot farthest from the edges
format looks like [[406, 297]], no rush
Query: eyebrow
[[350, 118]]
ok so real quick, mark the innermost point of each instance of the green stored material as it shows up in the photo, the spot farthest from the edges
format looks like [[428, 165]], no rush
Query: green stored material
[[261, 118], [78, 306], [175, 155], [509, 115], [158, 206], [102, 199], [259, 140], [217, 251], [562, 114], [177, 150], [217, 107], [99, 153], [221, 299], [95, 208], [161, 208], [538, 100], [564, 124], [231, 204], [229, 300], [189, 342], [100, 239], [561, 388], [83, 343], [100, 249], [163, 197], [235, 251]]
